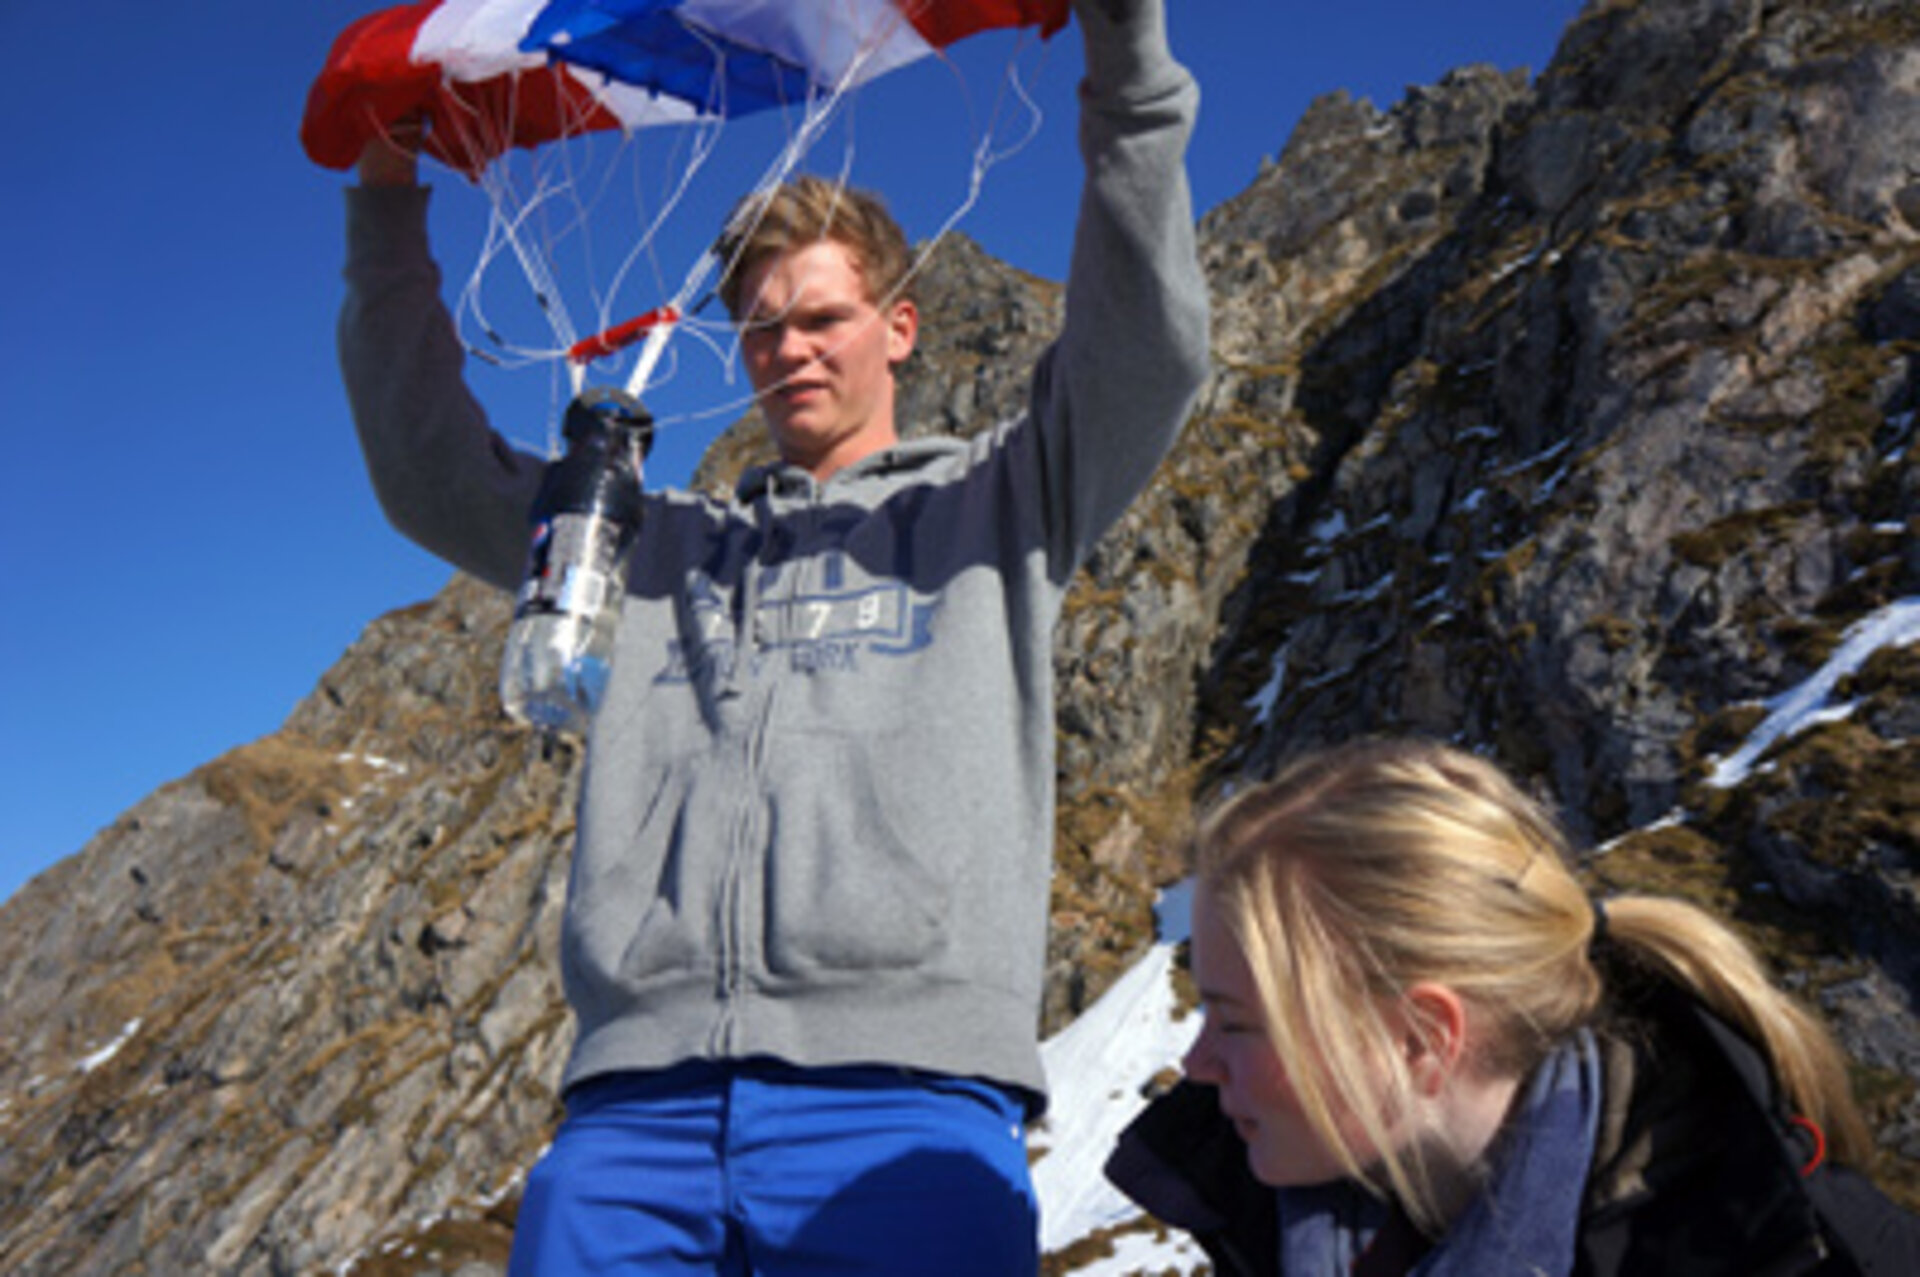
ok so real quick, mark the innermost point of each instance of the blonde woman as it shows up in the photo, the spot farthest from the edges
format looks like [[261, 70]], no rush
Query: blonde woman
[[1427, 1051]]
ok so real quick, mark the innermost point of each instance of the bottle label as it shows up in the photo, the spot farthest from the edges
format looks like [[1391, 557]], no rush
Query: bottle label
[[571, 567]]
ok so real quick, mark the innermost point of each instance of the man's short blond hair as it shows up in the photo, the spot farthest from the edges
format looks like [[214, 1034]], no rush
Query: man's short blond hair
[[806, 210]]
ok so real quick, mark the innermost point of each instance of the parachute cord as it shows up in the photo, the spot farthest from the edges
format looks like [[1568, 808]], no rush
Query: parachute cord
[[538, 269], [818, 113], [813, 121], [709, 127], [658, 336], [507, 224], [524, 218], [986, 156], [510, 228], [533, 264], [708, 140]]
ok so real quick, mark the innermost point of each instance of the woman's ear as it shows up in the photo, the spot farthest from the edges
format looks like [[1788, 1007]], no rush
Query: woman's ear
[[1434, 1035]]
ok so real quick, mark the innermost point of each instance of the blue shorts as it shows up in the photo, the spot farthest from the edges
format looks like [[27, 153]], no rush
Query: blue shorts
[[761, 1168]]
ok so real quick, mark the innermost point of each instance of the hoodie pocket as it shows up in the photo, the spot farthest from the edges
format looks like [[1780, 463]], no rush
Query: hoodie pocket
[[851, 886], [641, 904]]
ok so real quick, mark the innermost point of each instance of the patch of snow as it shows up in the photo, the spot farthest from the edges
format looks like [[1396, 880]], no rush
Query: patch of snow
[[91, 1062], [1668, 821], [1520, 262], [1809, 704], [1263, 701], [1366, 593], [374, 761], [1529, 463], [1550, 483], [1330, 528], [1496, 554], [1097, 1068]]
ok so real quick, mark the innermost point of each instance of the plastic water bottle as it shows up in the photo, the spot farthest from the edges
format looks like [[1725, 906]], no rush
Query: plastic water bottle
[[560, 646]]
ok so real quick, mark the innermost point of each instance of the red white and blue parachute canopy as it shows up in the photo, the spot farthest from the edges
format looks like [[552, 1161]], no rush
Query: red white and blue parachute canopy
[[487, 75]]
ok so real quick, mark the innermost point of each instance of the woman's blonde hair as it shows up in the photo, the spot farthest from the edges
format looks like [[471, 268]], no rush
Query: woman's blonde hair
[[1359, 872], [804, 211]]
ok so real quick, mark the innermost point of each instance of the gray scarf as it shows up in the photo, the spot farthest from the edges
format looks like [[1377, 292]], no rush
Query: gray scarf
[[1523, 1224]]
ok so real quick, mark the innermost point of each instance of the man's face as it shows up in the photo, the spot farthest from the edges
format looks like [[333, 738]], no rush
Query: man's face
[[820, 353]]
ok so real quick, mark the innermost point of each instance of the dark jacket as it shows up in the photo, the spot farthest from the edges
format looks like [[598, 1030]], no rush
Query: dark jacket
[[1698, 1170]]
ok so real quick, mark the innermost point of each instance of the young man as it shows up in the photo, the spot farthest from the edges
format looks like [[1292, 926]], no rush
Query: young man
[[807, 917]]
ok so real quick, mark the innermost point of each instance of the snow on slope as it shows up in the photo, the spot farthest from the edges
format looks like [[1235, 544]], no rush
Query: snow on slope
[[1810, 703], [1097, 1070]]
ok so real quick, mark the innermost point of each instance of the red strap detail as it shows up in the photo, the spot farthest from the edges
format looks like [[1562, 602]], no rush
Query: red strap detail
[[621, 335], [1819, 1143]]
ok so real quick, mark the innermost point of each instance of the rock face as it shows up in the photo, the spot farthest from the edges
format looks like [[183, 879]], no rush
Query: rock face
[[1571, 419]]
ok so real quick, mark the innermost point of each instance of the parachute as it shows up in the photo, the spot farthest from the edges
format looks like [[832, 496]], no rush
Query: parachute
[[493, 77]]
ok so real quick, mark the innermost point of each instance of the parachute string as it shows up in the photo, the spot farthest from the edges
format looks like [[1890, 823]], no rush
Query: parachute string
[[706, 140], [706, 135], [602, 296], [987, 154], [507, 232], [816, 112], [543, 203], [515, 221]]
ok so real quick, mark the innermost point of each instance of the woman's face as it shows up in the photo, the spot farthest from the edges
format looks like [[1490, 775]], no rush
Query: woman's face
[[1235, 1054]]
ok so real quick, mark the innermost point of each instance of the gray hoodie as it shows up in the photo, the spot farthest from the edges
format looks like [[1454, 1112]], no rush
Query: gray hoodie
[[817, 816]]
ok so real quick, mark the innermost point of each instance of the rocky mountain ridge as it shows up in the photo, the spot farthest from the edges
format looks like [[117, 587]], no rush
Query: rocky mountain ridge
[[1571, 418]]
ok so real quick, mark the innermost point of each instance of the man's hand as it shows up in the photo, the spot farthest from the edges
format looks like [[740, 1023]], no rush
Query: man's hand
[[392, 158]]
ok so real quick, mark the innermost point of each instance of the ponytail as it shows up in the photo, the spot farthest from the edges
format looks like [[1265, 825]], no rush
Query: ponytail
[[1691, 948]]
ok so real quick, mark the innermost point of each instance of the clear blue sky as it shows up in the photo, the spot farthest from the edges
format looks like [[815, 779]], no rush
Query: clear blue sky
[[189, 539]]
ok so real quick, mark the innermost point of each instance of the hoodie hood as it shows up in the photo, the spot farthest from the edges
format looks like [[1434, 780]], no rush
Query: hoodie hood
[[910, 458]]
